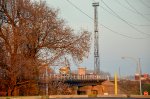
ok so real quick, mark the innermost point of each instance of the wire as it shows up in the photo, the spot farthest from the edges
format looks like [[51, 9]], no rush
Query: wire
[[128, 21], [122, 34], [137, 11], [78, 9], [122, 5], [101, 24], [94, 0], [132, 12], [141, 32], [144, 3], [125, 6]]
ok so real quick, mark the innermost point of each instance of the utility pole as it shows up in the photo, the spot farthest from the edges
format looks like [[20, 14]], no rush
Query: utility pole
[[96, 40], [138, 70], [140, 74]]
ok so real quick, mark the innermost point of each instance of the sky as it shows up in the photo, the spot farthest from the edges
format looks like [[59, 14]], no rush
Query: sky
[[124, 31]]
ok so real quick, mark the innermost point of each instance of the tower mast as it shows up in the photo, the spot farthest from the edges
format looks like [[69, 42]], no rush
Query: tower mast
[[96, 40]]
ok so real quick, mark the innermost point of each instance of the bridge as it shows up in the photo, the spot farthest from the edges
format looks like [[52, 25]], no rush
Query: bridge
[[76, 80], [79, 84]]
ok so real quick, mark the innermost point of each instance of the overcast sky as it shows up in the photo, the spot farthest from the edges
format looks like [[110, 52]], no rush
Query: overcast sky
[[124, 31]]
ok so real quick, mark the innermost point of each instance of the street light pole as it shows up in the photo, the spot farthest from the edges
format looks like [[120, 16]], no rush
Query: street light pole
[[140, 72], [138, 63]]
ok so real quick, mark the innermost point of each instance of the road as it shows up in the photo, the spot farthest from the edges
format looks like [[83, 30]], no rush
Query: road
[[105, 98]]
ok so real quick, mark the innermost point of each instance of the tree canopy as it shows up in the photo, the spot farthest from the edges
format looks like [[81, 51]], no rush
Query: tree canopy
[[27, 29]]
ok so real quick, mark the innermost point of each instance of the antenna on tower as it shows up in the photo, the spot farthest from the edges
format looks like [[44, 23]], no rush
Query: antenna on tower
[[96, 40]]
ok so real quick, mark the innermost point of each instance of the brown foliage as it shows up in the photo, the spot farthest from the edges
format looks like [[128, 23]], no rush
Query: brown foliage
[[56, 87], [27, 30], [129, 87]]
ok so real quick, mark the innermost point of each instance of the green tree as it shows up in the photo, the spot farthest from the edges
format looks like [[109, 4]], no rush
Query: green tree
[[146, 87]]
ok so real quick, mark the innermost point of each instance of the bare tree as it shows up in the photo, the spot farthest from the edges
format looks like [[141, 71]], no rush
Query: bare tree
[[59, 88], [28, 29], [56, 87]]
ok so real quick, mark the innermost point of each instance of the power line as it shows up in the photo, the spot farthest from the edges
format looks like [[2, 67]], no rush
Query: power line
[[122, 5], [122, 34], [137, 11], [141, 32], [144, 3], [128, 21], [79, 9], [101, 24], [132, 12], [125, 6], [94, 0]]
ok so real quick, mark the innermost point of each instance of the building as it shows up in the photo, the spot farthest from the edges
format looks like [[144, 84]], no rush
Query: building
[[81, 71], [105, 88]]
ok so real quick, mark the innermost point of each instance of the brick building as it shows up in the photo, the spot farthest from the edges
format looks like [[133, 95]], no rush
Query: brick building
[[105, 88]]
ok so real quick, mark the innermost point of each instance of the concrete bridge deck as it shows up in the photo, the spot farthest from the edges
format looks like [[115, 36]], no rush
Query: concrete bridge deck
[[75, 80]]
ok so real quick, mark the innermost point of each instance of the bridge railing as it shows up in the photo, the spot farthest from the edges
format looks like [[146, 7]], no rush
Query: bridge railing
[[75, 77]]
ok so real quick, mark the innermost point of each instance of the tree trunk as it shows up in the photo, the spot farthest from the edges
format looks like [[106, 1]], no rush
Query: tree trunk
[[9, 91]]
